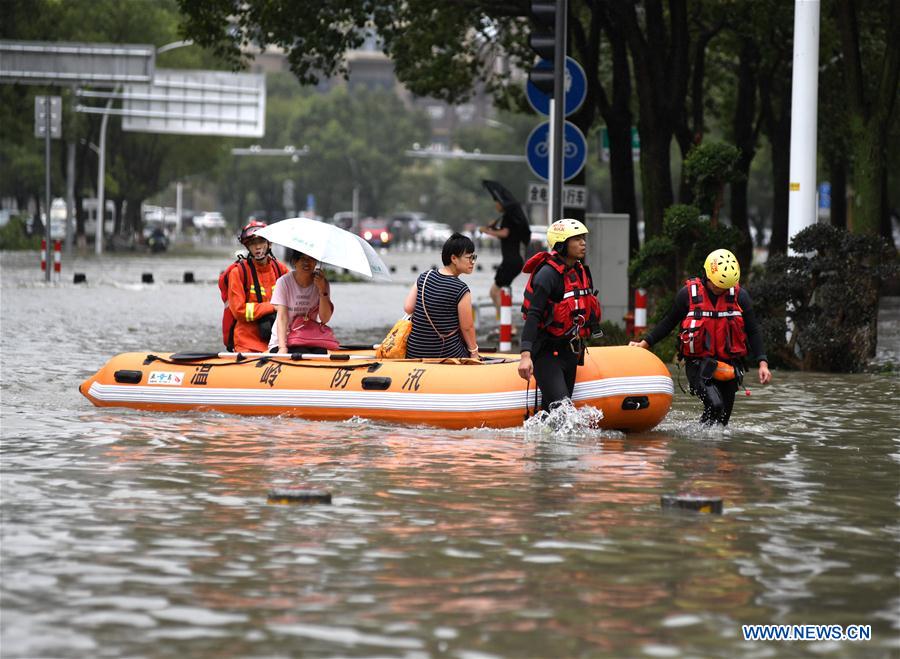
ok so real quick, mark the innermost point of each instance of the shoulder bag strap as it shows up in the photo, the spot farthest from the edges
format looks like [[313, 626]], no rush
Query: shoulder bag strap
[[443, 337], [259, 296]]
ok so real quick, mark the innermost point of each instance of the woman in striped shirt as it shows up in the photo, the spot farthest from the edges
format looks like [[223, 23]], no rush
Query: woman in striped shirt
[[441, 306]]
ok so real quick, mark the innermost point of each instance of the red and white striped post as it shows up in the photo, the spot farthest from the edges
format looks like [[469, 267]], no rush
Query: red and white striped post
[[43, 255], [505, 320], [57, 259], [640, 311]]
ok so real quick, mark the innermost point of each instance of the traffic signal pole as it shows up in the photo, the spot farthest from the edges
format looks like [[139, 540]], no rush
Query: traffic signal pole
[[558, 112]]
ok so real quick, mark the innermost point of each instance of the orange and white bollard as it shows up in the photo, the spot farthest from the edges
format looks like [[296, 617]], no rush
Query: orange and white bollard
[[57, 259], [640, 311], [505, 320]]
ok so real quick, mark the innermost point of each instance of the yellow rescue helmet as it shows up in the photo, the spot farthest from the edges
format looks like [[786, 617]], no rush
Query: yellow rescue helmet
[[562, 230], [722, 268]]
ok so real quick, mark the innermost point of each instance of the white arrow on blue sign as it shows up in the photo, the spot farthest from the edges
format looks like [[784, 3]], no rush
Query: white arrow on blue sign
[[575, 88], [537, 150]]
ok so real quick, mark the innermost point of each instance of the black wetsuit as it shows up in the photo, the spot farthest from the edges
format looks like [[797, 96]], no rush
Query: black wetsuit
[[555, 362], [717, 395]]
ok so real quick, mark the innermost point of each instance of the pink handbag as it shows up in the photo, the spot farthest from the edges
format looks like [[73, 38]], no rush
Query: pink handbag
[[312, 333]]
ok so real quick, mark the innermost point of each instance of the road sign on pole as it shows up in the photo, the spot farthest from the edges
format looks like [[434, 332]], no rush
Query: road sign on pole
[[47, 124], [67, 63], [635, 144], [41, 108], [575, 88], [537, 151], [574, 196]]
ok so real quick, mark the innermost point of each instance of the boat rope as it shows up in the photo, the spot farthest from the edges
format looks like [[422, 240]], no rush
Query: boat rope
[[260, 361]]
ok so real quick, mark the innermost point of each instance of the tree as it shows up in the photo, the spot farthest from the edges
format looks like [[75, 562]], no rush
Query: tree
[[440, 49], [354, 139], [834, 325], [661, 70], [709, 167], [139, 165], [611, 98], [868, 42]]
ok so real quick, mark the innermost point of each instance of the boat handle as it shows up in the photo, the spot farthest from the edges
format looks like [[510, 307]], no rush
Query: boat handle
[[128, 377], [377, 383], [635, 402]]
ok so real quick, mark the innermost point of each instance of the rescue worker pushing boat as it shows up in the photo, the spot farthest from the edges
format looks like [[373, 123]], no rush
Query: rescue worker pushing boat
[[246, 287], [718, 330], [560, 309]]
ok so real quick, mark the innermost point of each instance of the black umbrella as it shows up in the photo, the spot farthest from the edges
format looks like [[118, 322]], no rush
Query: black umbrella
[[500, 194], [511, 208]]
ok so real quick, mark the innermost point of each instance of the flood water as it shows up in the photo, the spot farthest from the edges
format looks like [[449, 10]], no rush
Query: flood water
[[135, 534]]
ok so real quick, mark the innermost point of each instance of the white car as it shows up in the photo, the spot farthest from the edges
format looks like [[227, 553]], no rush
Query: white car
[[434, 233], [209, 220]]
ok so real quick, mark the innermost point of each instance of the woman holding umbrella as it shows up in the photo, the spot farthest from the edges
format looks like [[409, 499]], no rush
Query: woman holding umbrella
[[303, 293]]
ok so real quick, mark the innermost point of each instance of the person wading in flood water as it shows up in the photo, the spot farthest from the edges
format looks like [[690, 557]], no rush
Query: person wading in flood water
[[560, 309], [717, 327]]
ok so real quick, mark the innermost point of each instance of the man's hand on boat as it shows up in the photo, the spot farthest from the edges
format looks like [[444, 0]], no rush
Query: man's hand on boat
[[526, 369]]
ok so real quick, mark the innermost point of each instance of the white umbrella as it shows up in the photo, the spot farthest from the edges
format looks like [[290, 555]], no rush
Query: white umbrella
[[328, 244]]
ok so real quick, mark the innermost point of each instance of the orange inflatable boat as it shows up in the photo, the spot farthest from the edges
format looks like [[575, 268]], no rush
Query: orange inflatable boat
[[632, 387]]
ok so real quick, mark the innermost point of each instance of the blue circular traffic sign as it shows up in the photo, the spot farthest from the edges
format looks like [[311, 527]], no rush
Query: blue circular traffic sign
[[537, 150], [575, 88]]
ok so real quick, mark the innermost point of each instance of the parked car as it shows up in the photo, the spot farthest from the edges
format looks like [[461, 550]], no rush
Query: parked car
[[538, 240], [342, 220], [406, 225], [209, 220], [375, 231]]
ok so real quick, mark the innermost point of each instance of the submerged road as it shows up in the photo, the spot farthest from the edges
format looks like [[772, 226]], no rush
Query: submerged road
[[127, 533]]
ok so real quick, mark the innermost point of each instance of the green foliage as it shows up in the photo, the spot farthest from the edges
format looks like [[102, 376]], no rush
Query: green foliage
[[137, 165], [831, 296], [709, 166], [439, 49], [13, 235], [665, 261]]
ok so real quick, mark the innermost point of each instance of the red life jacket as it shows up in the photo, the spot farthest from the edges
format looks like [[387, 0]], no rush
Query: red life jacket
[[228, 319], [578, 310], [712, 330]]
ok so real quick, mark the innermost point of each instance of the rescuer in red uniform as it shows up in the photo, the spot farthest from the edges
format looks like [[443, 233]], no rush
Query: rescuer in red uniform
[[247, 287], [718, 331], [560, 309]]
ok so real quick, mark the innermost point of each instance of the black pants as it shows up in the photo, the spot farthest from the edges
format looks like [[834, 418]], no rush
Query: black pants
[[554, 371], [717, 395]]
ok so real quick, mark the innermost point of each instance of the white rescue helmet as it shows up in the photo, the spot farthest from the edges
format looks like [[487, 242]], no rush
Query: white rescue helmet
[[561, 230]]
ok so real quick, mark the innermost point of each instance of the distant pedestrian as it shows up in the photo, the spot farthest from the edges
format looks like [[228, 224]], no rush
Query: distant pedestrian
[[512, 229]]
